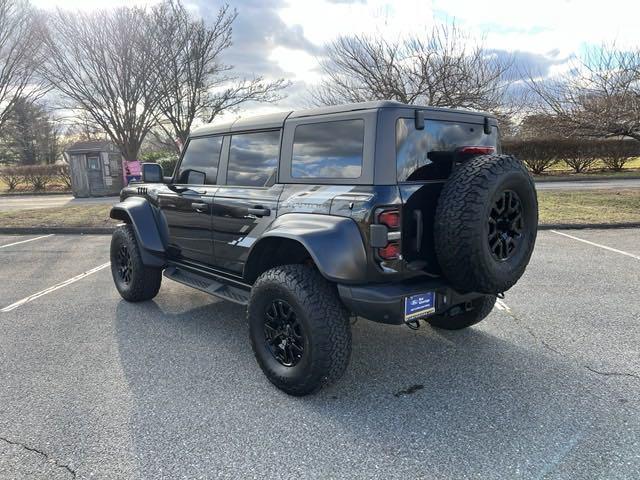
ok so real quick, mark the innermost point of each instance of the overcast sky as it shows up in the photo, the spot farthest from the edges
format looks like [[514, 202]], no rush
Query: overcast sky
[[284, 38]]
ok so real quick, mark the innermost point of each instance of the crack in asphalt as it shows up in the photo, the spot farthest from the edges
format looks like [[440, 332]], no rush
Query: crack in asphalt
[[41, 453], [612, 374], [504, 308], [409, 390]]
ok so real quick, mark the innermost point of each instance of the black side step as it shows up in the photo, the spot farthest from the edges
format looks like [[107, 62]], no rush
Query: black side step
[[208, 285]]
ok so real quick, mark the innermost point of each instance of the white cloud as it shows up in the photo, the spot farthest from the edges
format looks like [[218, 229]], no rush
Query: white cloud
[[323, 20], [546, 25], [282, 38]]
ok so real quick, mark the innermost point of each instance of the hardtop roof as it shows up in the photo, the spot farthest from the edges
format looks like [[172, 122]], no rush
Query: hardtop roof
[[276, 120]]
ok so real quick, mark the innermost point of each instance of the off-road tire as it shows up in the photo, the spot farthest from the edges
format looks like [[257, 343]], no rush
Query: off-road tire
[[481, 307], [324, 322], [144, 282], [462, 230]]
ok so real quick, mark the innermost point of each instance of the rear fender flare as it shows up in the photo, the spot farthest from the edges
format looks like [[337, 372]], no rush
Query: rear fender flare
[[334, 243]]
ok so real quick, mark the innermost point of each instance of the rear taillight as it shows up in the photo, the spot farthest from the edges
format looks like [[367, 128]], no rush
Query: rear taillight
[[390, 252], [390, 218], [476, 150]]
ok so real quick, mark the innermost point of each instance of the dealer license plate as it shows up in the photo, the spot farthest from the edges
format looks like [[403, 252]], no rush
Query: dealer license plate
[[420, 305]]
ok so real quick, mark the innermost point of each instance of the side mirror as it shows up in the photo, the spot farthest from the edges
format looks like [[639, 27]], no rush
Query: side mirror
[[152, 173]]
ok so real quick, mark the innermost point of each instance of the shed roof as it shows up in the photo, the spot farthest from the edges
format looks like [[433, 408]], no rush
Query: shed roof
[[91, 146], [276, 120]]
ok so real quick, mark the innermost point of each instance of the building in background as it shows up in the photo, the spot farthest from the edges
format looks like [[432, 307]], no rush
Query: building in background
[[96, 169]]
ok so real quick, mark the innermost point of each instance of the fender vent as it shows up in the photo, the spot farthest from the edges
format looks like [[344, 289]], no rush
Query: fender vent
[[142, 190]]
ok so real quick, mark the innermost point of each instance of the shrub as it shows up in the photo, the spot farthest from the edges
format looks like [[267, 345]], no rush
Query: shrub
[[39, 176], [619, 152], [579, 158], [538, 155], [12, 176], [64, 174], [153, 156], [168, 164], [579, 154]]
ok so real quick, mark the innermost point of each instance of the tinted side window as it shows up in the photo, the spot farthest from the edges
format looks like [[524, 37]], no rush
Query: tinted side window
[[328, 150], [253, 159], [200, 159], [429, 154]]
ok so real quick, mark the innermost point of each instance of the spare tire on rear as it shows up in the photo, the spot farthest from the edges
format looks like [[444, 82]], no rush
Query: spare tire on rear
[[486, 224]]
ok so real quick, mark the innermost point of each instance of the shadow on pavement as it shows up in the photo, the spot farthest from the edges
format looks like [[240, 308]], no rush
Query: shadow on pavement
[[449, 404]]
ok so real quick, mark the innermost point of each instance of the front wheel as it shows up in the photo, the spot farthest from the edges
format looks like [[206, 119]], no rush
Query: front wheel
[[299, 330], [134, 281], [460, 317]]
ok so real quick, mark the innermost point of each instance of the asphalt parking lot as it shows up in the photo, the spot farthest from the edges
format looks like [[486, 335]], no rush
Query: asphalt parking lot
[[93, 387]]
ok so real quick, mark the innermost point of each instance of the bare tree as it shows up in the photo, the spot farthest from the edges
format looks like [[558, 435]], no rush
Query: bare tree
[[196, 84], [20, 55], [442, 68], [106, 63], [598, 96]]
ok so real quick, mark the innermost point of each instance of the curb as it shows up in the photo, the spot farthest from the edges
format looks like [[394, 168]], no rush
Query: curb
[[60, 230], [33, 194], [109, 230], [594, 178], [582, 226]]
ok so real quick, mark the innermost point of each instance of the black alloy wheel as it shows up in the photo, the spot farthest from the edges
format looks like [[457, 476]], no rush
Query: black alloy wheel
[[135, 281], [299, 329], [125, 267], [283, 333], [506, 225]]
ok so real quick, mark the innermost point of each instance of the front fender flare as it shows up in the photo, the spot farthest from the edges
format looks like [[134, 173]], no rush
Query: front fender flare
[[334, 243], [139, 213]]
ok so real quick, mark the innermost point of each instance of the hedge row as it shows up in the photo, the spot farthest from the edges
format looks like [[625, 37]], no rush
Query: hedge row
[[38, 177], [579, 155]]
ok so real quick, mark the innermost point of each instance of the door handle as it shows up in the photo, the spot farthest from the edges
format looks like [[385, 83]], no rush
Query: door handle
[[259, 211], [200, 207]]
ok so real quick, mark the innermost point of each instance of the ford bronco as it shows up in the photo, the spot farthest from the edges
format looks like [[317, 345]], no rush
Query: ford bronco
[[391, 212]]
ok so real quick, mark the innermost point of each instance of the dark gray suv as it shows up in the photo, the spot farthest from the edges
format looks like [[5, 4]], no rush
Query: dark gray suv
[[391, 212]]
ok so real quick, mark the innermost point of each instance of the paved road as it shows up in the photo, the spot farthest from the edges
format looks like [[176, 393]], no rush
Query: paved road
[[28, 202], [613, 184], [547, 387]]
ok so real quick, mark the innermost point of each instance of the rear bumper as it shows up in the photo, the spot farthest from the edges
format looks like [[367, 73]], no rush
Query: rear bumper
[[384, 303]]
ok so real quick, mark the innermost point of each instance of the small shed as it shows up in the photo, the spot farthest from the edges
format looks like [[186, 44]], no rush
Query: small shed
[[96, 168]]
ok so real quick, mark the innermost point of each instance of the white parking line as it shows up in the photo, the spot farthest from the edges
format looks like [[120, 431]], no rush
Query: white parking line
[[39, 294], [25, 241], [615, 250]]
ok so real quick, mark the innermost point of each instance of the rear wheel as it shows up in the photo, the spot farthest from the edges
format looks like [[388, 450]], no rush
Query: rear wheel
[[134, 281], [299, 330], [463, 316]]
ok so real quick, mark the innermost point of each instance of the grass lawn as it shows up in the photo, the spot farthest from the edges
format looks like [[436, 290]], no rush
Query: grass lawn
[[69, 216], [551, 175], [587, 206]]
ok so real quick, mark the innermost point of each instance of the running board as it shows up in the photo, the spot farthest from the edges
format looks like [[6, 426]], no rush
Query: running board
[[207, 285]]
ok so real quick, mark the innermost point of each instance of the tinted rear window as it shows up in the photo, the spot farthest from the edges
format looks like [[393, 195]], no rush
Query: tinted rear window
[[253, 159], [429, 154], [200, 161], [328, 150]]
